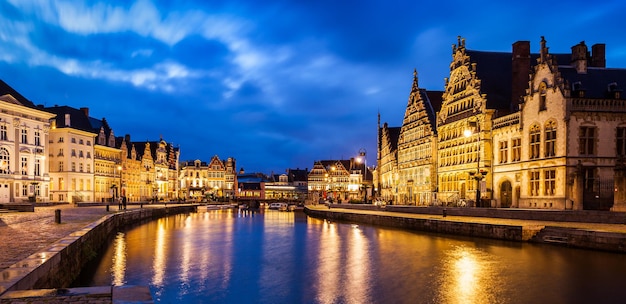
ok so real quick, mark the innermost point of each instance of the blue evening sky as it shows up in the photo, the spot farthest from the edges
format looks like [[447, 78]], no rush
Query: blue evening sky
[[275, 84]]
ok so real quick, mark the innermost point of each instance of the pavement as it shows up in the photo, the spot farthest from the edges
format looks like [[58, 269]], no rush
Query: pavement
[[25, 233]]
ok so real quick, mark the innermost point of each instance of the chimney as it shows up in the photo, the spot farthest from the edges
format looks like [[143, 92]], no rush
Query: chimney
[[67, 120], [520, 69], [86, 111], [598, 58], [579, 57]]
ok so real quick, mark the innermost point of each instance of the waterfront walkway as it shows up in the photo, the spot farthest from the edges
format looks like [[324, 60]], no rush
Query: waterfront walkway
[[25, 233], [617, 228]]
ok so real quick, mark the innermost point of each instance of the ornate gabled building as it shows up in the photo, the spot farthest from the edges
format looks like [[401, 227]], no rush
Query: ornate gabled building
[[339, 180], [526, 130], [24, 145], [107, 162], [289, 186], [408, 154], [215, 180]]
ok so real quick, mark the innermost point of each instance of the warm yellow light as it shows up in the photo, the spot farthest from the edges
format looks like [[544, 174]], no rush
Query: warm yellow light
[[467, 132]]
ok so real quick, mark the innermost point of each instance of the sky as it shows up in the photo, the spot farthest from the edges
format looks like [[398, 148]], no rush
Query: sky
[[275, 84]]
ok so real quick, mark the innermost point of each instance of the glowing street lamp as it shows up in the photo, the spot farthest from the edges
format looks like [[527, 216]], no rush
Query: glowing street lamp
[[474, 127], [363, 159]]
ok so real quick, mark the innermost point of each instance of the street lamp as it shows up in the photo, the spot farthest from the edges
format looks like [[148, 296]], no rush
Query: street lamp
[[474, 127], [362, 158]]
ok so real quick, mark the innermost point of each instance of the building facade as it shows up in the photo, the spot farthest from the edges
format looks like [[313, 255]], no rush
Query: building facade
[[24, 136], [214, 181], [518, 129]]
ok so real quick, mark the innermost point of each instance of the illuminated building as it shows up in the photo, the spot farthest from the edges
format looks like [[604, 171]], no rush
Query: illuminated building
[[339, 180], [290, 186], [71, 156], [544, 131], [24, 136], [215, 180]]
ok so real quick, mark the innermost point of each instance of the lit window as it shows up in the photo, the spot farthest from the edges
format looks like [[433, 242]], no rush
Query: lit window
[[534, 183], [550, 134], [535, 142], [516, 149], [549, 182], [504, 151]]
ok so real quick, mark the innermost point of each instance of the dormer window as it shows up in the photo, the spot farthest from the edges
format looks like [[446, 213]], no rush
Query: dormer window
[[613, 91], [577, 89], [542, 96]]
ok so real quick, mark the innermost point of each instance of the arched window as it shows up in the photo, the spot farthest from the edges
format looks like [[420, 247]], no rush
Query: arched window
[[5, 161], [550, 136], [535, 141]]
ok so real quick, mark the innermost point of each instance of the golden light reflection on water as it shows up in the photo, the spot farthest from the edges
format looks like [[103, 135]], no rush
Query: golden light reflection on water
[[185, 249], [468, 276], [358, 267], [118, 267], [328, 263], [158, 266]]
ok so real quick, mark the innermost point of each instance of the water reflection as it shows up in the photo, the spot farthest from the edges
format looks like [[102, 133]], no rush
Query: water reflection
[[285, 257], [118, 269]]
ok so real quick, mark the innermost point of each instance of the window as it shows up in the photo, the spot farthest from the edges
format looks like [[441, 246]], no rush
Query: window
[[80, 141], [24, 190], [61, 166], [80, 167], [535, 142], [24, 165], [61, 184], [504, 151], [37, 167], [620, 142], [60, 139], [73, 140], [534, 183], [516, 149], [37, 138], [73, 167], [73, 185], [5, 161], [60, 152], [73, 152], [24, 136], [550, 135], [88, 168], [80, 154], [88, 154], [4, 135], [549, 178], [589, 178], [586, 140], [89, 142]]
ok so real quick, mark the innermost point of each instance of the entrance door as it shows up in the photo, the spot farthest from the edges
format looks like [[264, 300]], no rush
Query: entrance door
[[4, 193], [506, 194]]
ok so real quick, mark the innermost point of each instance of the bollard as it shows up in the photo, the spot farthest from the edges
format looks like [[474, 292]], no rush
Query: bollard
[[57, 216], [107, 207], [444, 212]]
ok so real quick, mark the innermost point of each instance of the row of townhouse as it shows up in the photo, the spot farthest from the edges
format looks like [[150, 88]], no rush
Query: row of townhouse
[[340, 180], [519, 129], [62, 154]]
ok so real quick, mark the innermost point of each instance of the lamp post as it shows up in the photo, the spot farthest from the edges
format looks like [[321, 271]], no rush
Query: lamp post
[[362, 158], [478, 175]]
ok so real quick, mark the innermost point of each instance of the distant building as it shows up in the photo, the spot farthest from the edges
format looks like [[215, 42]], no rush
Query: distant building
[[24, 137], [290, 186], [340, 180], [215, 180]]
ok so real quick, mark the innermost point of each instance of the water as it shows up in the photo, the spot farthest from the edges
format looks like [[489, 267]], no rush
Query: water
[[286, 257]]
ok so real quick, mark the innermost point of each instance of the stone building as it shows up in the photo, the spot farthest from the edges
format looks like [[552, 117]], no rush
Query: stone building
[[520, 129], [24, 137], [340, 180]]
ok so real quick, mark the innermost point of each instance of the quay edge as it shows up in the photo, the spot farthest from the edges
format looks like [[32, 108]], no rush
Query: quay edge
[[546, 233], [59, 264]]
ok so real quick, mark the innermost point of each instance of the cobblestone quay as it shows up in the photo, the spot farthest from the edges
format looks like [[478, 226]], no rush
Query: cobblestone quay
[[38, 252]]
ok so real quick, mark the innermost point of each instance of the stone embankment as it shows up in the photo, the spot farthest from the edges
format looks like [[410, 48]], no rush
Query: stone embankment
[[553, 227], [59, 264]]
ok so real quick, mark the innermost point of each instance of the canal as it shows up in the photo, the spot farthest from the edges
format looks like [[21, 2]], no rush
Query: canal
[[232, 256]]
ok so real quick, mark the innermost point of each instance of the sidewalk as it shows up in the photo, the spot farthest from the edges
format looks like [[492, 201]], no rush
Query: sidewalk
[[25, 233]]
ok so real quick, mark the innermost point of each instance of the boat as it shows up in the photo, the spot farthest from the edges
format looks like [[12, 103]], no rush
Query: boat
[[278, 206]]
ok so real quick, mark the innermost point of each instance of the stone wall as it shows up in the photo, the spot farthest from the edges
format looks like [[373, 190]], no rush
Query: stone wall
[[58, 265]]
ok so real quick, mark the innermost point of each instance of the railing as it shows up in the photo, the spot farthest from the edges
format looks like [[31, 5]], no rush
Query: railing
[[506, 121], [599, 105]]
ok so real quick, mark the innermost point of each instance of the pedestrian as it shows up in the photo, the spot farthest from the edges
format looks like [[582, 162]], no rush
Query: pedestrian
[[124, 202], [119, 204]]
